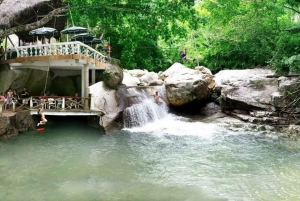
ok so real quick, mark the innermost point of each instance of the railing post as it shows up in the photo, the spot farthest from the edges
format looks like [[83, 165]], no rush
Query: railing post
[[92, 103], [67, 49], [63, 104], [31, 103], [78, 48], [14, 106]]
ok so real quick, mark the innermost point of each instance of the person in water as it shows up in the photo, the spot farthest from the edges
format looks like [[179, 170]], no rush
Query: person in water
[[156, 98], [43, 119]]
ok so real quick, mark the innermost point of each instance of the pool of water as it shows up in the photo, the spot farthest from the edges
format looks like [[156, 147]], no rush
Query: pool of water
[[175, 158]]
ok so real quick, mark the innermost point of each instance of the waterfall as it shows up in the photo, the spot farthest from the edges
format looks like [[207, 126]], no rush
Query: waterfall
[[142, 109]]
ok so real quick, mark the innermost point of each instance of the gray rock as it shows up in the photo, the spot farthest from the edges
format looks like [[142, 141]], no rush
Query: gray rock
[[137, 72], [184, 85], [113, 76], [104, 100], [34, 80], [148, 78], [64, 86], [129, 80], [246, 89], [203, 70]]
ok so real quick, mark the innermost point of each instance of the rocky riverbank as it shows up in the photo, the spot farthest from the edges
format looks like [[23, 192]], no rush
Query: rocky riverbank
[[258, 96], [12, 123]]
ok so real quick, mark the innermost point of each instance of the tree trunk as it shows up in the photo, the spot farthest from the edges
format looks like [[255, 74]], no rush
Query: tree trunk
[[35, 25]]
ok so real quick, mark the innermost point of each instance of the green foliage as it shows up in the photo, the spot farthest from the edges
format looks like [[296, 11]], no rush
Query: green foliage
[[243, 34], [135, 27], [220, 34]]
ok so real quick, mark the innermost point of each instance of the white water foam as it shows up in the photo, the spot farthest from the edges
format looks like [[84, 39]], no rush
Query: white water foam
[[174, 125], [143, 110]]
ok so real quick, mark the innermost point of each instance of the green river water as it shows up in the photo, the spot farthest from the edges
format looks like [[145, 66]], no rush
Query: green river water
[[173, 159]]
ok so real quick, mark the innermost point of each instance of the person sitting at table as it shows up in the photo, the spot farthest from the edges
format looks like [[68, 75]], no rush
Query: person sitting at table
[[76, 101], [43, 98], [76, 97]]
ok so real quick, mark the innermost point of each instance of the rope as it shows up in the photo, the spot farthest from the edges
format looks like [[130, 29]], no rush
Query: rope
[[47, 76]]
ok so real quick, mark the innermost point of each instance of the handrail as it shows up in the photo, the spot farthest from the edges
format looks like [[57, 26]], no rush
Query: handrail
[[64, 48], [59, 102]]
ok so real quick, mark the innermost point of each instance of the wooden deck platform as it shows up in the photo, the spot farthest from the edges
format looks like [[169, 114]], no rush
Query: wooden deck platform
[[73, 112]]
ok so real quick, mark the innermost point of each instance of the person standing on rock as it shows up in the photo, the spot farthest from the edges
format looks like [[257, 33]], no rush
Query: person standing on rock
[[184, 56]]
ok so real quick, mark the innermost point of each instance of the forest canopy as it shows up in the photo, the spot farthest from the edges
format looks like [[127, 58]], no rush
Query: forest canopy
[[219, 34]]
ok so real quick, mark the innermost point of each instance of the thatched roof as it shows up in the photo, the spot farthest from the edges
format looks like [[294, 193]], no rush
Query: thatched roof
[[18, 12]]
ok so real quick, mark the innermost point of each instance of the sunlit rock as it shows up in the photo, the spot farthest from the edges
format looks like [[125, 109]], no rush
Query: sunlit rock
[[184, 85], [242, 89], [136, 72], [104, 100], [129, 80]]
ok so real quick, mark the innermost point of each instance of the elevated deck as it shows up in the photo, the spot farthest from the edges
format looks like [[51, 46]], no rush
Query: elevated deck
[[65, 55]]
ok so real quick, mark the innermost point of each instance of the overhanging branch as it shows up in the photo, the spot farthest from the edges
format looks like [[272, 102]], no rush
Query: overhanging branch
[[293, 9], [35, 25]]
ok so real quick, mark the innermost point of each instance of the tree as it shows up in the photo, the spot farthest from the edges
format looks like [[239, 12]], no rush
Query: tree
[[243, 34], [134, 27]]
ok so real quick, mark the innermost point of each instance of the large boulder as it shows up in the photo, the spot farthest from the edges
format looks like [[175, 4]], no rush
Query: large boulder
[[11, 123], [104, 100], [184, 85], [137, 72], [33, 79], [130, 80], [24, 120], [149, 78], [254, 89], [7, 127], [113, 76]]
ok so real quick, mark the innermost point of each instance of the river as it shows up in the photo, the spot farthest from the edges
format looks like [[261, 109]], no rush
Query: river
[[174, 158]]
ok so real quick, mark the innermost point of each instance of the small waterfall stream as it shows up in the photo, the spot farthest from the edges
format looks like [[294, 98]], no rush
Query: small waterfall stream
[[142, 109]]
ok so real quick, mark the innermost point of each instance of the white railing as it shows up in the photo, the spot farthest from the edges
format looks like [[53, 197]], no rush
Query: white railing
[[64, 48], [57, 103]]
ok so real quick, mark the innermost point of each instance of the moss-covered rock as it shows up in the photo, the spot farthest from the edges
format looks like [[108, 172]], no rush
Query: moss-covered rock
[[113, 76], [63, 86]]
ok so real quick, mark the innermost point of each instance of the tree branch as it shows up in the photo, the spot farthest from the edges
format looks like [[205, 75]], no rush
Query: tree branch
[[293, 9], [31, 26]]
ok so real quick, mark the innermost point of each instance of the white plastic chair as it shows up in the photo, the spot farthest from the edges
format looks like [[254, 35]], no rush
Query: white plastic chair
[[51, 103]]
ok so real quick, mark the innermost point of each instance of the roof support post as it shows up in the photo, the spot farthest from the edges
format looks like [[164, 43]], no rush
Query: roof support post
[[85, 81], [93, 76]]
